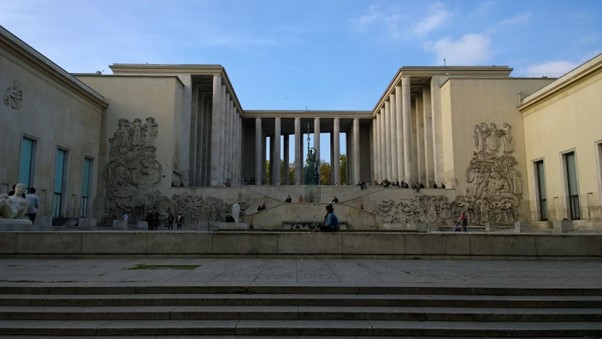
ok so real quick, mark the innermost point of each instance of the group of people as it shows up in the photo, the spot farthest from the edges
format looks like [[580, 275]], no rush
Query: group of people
[[416, 186], [152, 219]]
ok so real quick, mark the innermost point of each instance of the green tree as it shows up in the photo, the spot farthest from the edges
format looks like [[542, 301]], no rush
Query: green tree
[[343, 168], [324, 173], [266, 178]]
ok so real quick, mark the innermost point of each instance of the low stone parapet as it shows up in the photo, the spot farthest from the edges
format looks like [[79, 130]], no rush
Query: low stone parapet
[[301, 244]]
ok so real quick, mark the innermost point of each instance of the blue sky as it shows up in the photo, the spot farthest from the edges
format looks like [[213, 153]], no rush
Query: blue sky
[[319, 54]]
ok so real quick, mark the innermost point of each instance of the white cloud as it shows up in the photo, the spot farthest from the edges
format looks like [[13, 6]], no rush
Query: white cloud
[[437, 16], [551, 68], [470, 49], [519, 19]]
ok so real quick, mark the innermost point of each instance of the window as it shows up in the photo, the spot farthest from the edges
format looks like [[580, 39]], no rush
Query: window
[[540, 182], [86, 175], [572, 189], [59, 179], [26, 161]]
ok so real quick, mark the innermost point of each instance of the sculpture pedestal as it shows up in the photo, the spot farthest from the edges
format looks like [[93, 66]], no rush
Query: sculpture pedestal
[[20, 225]]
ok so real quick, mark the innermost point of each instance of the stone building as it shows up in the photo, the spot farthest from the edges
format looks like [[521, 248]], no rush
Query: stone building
[[177, 136]]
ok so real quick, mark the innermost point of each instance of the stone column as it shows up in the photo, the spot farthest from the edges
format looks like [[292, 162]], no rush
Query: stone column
[[399, 135], [375, 146], [227, 134], [298, 167], [419, 139], [286, 156], [337, 151], [222, 139], [428, 137], [394, 152], [382, 137], [276, 153], [317, 139], [407, 129], [216, 123], [258, 153], [356, 152], [388, 128]]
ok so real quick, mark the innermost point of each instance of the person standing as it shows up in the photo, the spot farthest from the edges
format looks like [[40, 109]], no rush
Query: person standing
[[464, 220], [170, 219], [34, 202]]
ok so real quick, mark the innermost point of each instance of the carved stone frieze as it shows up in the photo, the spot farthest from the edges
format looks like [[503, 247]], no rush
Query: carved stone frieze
[[493, 186], [13, 96], [133, 171], [197, 208]]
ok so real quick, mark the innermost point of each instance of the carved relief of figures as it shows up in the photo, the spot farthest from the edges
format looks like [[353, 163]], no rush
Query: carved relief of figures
[[493, 190], [506, 138], [150, 131], [13, 96], [136, 132], [198, 208], [132, 170], [493, 181], [422, 208]]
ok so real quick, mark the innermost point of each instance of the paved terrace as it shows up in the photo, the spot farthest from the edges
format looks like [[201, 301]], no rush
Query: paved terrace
[[249, 272]]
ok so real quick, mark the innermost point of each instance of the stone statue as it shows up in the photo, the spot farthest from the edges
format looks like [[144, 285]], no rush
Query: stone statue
[[236, 211], [14, 206], [312, 176]]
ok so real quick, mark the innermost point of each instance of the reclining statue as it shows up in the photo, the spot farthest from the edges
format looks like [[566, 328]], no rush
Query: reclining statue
[[14, 206]]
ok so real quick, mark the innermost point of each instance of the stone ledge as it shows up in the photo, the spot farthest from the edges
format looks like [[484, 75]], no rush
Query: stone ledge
[[291, 243]]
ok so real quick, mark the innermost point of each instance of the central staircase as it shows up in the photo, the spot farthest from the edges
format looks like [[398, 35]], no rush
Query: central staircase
[[118, 310]]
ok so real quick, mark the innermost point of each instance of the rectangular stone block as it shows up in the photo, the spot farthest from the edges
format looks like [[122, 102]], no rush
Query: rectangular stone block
[[373, 243], [120, 224], [87, 223], [563, 226], [49, 243], [420, 227], [310, 243], [437, 244], [522, 227], [491, 227], [179, 243], [569, 245], [114, 242], [245, 243], [142, 225], [502, 245], [8, 242]]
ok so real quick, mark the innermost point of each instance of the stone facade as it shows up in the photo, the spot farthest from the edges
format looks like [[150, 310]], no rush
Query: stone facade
[[176, 136]]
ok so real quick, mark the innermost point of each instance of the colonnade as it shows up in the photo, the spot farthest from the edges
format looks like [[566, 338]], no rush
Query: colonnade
[[404, 136], [275, 148], [226, 124]]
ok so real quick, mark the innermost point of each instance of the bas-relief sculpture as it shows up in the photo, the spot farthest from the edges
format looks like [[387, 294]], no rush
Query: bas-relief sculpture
[[14, 206], [13, 96], [133, 171], [494, 186], [197, 208]]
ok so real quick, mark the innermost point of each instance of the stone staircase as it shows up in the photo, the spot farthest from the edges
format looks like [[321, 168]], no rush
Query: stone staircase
[[118, 310]]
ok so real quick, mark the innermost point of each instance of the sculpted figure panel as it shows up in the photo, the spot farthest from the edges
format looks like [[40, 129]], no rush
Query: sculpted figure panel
[[494, 186], [133, 171], [198, 208]]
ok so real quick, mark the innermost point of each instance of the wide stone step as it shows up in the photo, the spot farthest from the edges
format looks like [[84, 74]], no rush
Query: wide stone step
[[376, 300], [301, 313], [109, 289], [298, 328]]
